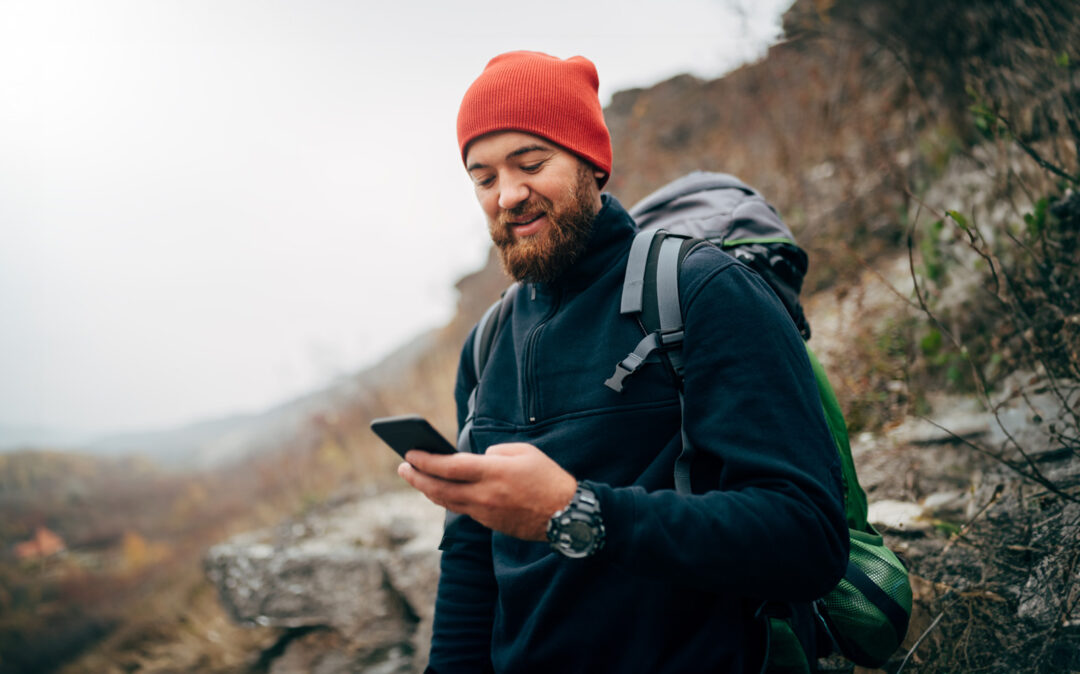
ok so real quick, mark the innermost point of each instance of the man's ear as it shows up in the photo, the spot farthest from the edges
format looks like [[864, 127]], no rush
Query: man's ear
[[599, 175]]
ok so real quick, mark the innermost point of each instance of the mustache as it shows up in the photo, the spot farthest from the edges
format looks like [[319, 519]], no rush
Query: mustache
[[536, 205]]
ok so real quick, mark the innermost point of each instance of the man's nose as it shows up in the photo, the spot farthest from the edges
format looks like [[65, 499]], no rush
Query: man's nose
[[512, 192]]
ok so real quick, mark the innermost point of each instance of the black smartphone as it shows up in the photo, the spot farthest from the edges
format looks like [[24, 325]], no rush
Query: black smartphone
[[411, 431]]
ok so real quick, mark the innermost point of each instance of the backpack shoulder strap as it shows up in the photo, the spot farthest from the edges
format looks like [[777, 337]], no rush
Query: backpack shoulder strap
[[663, 329], [651, 292], [488, 327], [664, 276], [484, 337]]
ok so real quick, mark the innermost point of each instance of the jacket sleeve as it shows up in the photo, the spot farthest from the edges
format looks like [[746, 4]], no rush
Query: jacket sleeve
[[465, 603], [766, 517]]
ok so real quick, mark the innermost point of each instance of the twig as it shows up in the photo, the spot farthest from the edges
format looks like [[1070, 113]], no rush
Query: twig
[[1031, 152], [1035, 476], [967, 525], [921, 637]]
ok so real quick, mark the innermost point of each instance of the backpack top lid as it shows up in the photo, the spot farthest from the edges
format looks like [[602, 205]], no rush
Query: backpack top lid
[[721, 209], [714, 206]]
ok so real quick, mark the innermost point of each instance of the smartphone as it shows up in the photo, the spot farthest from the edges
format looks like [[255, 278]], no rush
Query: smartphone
[[411, 431]]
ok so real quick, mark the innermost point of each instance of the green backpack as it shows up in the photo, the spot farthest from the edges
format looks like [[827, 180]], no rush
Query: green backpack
[[865, 617]]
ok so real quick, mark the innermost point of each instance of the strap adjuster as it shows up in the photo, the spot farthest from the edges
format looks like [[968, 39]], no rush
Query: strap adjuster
[[671, 338], [629, 365], [623, 369]]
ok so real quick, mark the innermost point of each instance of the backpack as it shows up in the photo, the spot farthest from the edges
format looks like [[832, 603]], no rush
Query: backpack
[[865, 617]]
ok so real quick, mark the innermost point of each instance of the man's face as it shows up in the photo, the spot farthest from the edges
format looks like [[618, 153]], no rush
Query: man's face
[[539, 199]]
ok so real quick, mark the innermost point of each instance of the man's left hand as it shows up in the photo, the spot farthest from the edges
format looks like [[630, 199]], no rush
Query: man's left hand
[[513, 488]]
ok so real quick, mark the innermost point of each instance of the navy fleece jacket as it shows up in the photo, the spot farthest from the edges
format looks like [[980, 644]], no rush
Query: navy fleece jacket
[[670, 590]]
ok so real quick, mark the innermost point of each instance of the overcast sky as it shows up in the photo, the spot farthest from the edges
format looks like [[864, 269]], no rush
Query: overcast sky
[[208, 207]]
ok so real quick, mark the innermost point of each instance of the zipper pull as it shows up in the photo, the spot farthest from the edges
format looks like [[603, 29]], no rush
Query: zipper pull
[[532, 291]]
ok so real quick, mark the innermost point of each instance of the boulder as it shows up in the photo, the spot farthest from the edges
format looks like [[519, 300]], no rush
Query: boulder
[[353, 583]]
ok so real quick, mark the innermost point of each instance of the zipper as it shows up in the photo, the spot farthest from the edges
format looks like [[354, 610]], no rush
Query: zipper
[[531, 393]]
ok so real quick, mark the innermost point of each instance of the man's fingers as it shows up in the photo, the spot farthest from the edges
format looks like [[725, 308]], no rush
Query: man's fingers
[[460, 467], [442, 492]]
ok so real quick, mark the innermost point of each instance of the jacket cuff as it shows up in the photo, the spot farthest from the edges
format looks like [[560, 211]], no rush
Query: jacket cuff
[[617, 512]]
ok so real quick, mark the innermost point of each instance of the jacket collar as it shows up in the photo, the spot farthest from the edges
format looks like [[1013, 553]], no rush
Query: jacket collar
[[609, 244]]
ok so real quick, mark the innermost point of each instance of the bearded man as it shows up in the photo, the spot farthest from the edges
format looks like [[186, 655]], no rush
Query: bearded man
[[574, 552]]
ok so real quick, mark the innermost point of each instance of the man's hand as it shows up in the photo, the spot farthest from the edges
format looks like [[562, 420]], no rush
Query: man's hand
[[514, 488]]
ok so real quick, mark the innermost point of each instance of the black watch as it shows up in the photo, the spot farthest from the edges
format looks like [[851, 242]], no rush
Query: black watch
[[577, 530]]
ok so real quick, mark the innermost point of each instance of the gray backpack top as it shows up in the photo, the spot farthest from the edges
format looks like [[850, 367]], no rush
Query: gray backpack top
[[721, 209]]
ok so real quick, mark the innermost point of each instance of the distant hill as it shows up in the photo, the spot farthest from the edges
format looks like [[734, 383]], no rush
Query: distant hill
[[215, 442], [14, 438]]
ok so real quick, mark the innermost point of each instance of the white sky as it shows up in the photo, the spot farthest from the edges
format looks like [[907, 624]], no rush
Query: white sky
[[208, 207]]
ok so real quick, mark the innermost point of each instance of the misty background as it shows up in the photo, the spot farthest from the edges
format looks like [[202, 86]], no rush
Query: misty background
[[208, 208]]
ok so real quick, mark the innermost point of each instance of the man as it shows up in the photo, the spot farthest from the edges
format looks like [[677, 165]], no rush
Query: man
[[575, 553]]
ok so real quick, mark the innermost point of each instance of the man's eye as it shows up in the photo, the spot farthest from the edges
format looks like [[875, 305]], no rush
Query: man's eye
[[532, 168], [485, 181]]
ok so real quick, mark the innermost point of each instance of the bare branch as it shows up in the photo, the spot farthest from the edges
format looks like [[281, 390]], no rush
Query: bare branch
[[1035, 476], [923, 636]]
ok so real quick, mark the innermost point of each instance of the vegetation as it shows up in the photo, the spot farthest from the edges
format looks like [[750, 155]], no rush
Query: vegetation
[[997, 283]]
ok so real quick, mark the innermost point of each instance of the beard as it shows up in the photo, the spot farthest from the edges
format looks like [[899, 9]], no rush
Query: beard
[[546, 255]]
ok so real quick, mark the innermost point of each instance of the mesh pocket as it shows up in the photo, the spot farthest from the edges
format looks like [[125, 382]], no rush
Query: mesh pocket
[[868, 610]]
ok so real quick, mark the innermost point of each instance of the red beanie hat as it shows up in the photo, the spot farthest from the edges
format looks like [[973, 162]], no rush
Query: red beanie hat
[[542, 95]]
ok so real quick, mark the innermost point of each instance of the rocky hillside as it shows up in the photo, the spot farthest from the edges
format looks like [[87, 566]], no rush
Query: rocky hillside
[[923, 152]]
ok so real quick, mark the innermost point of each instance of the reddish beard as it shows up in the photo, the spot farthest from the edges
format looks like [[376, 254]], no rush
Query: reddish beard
[[544, 256]]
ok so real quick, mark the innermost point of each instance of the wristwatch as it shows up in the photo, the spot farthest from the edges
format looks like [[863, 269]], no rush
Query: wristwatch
[[577, 530]]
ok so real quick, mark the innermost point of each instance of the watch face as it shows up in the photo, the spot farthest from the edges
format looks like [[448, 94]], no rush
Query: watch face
[[577, 531], [579, 536]]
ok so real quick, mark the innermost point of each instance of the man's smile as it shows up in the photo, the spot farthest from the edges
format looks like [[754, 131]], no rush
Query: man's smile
[[529, 225]]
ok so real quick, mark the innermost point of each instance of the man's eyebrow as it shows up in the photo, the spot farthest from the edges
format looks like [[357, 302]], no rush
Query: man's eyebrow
[[527, 149], [536, 147]]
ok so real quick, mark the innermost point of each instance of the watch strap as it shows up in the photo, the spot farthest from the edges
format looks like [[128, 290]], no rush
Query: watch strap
[[578, 529]]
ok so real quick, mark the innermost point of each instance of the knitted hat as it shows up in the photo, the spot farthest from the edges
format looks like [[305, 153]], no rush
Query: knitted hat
[[542, 95]]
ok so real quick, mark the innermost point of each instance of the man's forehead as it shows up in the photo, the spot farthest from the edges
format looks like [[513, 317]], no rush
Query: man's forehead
[[503, 145]]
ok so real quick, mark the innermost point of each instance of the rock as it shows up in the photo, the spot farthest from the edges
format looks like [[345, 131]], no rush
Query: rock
[[944, 500], [1045, 596], [897, 516], [954, 419], [363, 573]]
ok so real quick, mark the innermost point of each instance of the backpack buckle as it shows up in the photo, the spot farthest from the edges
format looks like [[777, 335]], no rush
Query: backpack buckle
[[654, 341], [623, 369]]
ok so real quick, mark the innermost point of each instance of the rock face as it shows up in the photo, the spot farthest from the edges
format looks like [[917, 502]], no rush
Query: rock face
[[994, 559], [353, 584]]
